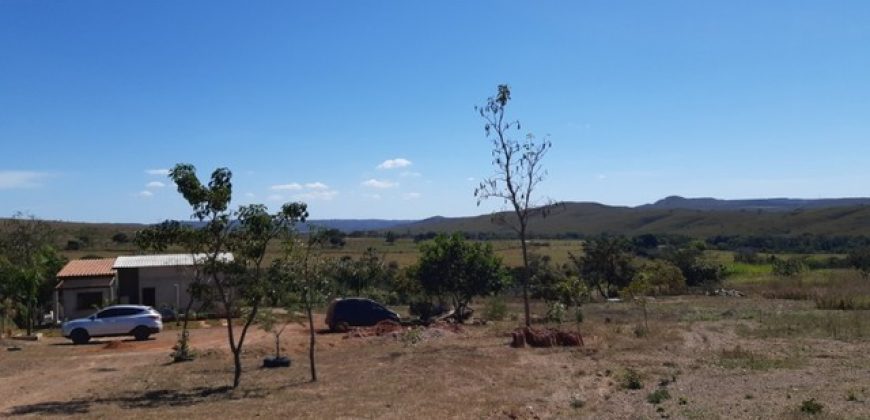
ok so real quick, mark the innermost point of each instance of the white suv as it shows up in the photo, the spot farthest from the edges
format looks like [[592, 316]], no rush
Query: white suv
[[113, 321]]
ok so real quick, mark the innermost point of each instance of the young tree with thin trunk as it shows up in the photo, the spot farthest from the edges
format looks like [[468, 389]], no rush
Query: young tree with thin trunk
[[518, 172], [239, 282], [302, 273]]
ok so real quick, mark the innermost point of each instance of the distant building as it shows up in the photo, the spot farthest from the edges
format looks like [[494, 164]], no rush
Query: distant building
[[84, 285], [159, 281]]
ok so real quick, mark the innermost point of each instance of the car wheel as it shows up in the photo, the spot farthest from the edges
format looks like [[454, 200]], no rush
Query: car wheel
[[341, 327], [80, 336], [141, 333]]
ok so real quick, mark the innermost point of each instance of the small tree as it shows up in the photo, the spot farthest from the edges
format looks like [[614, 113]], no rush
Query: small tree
[[860, 259], [32, 262], [390, 238], [158, 238], [302, 272], [459, 270], [605, 264], [239, 283], [274, 325], [518, 172], [661, 278]]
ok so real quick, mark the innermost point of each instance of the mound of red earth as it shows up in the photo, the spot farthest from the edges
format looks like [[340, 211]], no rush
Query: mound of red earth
[[545, 337], [114, 345]]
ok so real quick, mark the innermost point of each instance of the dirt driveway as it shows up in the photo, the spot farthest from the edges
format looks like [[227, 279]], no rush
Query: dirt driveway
[[55, 369]]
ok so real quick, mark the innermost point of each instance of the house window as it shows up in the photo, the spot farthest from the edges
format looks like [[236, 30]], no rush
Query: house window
[[88, 300]]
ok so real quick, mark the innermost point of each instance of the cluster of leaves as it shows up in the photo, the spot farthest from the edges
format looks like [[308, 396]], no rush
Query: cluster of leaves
[[28, 264], [455, 270]]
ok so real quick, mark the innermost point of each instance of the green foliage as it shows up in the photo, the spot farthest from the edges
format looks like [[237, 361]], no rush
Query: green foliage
[[658, 396], [606, 264], [860, 259], [556, 312], [29, 264], [789, 267], [811, 406], [658, 278], [630, 379], [697, 272], [181, 351], [121, 238], [390, 237], [495, 309], [458, 270]]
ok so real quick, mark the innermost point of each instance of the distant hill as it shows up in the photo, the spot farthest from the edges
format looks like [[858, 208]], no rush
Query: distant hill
[[351, 225], [594, 218], [767, 204], [697, 217]]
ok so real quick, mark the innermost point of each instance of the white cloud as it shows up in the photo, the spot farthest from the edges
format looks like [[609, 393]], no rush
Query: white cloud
[[324, 195], [287, 187], [394, 163], [374, 183], [20, 179], [316, 186], [411, 195], [162, 172], [410, 174], [155, 184], [145, 194], [372, 196]]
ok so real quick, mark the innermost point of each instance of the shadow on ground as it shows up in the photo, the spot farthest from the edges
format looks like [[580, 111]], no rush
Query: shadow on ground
[[130, 400]]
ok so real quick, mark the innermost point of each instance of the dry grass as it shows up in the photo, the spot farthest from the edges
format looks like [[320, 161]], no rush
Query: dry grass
[[707, 366]]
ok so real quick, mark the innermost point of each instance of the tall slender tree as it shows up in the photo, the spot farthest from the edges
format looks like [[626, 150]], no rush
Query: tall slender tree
[[240, 282], [518, 172]]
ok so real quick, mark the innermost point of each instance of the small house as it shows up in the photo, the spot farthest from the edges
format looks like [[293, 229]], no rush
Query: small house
[[159, 281], [83, 286]]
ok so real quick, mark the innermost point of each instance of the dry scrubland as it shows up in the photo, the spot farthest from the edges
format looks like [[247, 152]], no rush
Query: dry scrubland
[[704, 358], [774, 353]]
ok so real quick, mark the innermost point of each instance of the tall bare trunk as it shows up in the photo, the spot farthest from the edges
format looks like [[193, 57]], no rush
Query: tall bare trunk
[[525, 277], [311, 345]]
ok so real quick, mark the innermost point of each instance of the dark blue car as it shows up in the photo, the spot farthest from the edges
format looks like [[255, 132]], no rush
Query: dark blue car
[[356, 312]]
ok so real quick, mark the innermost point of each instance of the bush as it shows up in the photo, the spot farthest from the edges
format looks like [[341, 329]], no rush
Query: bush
[[495, 309], [658, 396], [631, 380], [790, 267], [555, 312], [811, 406]]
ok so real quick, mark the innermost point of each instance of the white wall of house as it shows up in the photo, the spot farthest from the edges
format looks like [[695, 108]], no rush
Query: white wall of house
[[170, 285], [75, 303]]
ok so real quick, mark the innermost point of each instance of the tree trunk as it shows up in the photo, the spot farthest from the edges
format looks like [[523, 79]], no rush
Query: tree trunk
[[311, 344], [29, 318], [277, 346], [237, 373], [525, 276]]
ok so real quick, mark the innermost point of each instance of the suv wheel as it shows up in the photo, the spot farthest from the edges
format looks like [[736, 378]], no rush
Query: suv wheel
[[341, 326], [80, 336], [141, 333]]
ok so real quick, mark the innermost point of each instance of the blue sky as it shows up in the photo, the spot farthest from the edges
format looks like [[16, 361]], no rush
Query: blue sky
[[305, 100]]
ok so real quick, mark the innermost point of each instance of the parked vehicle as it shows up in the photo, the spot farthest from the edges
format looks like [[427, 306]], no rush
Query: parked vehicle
[[356, 312], [115, 321]]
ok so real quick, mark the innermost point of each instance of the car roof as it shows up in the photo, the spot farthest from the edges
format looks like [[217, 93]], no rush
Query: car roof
[[127, 307]]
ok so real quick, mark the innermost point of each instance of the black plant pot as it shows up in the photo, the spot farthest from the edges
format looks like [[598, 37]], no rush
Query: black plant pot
[[276, 362]]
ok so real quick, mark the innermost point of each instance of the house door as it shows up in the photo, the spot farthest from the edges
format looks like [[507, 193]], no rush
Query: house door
[[149, 296]]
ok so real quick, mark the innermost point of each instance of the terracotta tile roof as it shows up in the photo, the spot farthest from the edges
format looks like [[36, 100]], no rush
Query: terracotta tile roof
[[88, 268], [85, 282]]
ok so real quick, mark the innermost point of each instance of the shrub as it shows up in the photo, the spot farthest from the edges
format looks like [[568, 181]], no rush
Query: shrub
[[790, 267], [631, 379], [555, 312], [811, 406], [495, 309], [658, 396]]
